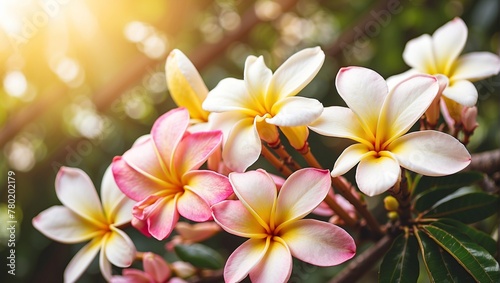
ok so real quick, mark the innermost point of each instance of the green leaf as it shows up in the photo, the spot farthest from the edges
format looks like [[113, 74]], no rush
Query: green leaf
[[440, 265], [430, 197], [452, 181], [478, 262], [200, 256], [400, 264], [468, 208], [479, 237]]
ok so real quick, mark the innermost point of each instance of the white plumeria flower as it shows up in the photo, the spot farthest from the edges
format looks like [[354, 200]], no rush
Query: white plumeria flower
[[82, 218], [439, 54], [251, 109], [378, 120]]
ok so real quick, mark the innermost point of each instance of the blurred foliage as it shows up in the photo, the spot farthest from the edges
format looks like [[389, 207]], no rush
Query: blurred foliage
[[58, 56]]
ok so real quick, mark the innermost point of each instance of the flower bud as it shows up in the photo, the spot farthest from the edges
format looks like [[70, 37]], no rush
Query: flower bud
[[393, 215], [391, 203], [469, 116], [183, 269]]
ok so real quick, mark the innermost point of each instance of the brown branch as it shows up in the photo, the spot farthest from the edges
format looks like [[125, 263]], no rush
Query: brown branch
[[361, 263], [487, 162]]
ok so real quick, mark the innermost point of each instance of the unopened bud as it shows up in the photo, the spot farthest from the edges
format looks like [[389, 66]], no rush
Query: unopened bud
[[393, 215], [183, 269], [469, 116], [391, 203]]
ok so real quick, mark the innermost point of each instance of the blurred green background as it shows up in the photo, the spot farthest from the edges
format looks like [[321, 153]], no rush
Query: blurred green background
[[80, 80]]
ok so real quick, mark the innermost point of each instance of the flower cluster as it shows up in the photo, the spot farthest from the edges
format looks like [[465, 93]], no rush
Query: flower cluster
[[190, 174]]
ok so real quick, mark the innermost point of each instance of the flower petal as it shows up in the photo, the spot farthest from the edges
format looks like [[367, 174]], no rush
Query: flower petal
[[319, 243], [392, 81], [405, 104], [162, 220], [303, 191], [229, 94], [294, 74], [104, 264], [257, 191], [430, 153], [349, 158], [63, 225], [197, 232], [276, 266], [194, 150], [296, 136], [257, 76], [295, 111], [448, 42], [167, 132], [243, 146], [119, 248], [131, 275], [117, 206], [235, 218], [357, 86], [210, 186], [244, 259], [135, 184], [82, 260], [76, 191], [193, 207], [476, 66], [462, 92], [185, 84], [419, 54], [341, 122], [156, 266], [376, 175]]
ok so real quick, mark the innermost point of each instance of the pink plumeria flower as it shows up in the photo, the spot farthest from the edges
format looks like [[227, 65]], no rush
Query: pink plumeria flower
[[84, 218], [378, 121], [273, 222], [251, 109], [161, 173], [439, 54], [156, 270]]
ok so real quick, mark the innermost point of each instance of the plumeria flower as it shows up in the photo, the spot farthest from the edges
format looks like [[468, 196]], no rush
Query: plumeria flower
[[273, 223], [439, 54], [82, 217], [192, 233], [378, 121], [251, 109], [161, 173], [156, 270]]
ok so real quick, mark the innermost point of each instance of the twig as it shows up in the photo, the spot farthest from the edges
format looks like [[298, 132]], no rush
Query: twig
[[275, 161], [487, 162], [361, 263]]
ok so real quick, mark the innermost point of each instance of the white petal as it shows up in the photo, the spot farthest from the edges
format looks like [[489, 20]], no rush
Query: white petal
[[476, 66], [376, 175], [349, 158], [364, 91], [244, 259], [448, 42], [295, 111], [63, 225], [117, 206], [295, 74], [341, 122], [77, 192], [257, 77], [405, 104], [82, 260], [463, 92], [119, 248], [276, 266], [430, 153], [392, 81], [230, 94], [419, 54], [243, 146]]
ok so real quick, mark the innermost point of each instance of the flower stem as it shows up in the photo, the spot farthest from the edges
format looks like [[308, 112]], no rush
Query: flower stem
[[402, 194], [276, 162], [279, 148]]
